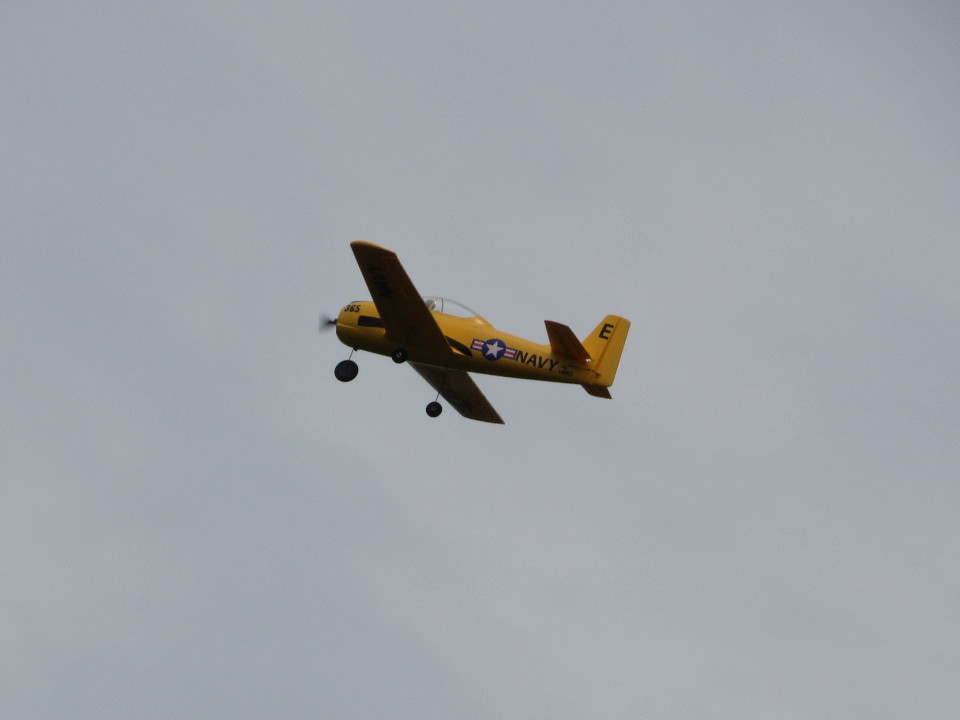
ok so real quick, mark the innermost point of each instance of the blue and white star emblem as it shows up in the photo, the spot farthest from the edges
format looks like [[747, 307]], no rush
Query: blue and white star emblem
[[493, 349]]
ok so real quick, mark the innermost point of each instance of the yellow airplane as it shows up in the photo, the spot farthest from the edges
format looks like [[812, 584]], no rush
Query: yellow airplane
[[443, 341]]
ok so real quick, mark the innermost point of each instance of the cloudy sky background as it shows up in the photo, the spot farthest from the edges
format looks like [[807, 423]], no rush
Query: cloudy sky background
[[198, 520]]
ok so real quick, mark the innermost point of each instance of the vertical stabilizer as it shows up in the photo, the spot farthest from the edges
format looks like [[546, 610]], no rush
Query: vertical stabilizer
[[605, 345]]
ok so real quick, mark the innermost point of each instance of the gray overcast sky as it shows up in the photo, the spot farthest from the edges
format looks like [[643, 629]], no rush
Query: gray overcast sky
[[198, 520]]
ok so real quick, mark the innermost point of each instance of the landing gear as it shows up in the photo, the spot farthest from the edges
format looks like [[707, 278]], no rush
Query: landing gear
[[346, 370]]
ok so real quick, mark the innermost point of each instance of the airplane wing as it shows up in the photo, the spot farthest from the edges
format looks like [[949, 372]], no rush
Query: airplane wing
[[459, 389], [405, 316]]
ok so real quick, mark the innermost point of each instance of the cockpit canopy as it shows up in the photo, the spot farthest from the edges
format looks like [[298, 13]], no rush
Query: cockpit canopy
[[449, 307]]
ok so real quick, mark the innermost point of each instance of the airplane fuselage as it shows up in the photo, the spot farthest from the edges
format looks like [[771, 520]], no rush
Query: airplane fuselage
[[476, 344]]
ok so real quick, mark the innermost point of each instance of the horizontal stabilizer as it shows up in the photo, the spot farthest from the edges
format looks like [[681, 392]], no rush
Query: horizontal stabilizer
[[597, 391], [563, 343]]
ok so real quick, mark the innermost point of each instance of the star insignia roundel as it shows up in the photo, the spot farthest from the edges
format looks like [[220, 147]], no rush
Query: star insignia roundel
[[493, 349]]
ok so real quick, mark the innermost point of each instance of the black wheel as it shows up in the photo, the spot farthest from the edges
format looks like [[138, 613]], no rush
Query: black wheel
[[346, 370], [399, 355], [434, 409]]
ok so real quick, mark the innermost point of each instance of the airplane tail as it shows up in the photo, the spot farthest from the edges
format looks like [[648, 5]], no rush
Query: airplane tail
[[605, 345], [600, 351]]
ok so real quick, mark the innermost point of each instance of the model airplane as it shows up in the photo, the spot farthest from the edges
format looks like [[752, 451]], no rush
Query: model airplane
[[444, 341]]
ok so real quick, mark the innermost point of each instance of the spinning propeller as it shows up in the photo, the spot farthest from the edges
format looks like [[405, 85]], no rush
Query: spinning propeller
[[327, 322]]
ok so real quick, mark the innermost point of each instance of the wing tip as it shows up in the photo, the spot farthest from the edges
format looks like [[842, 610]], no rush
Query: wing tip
[[365, 245]]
